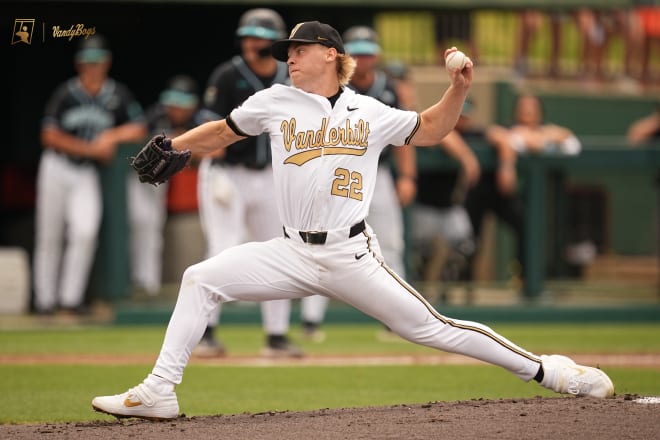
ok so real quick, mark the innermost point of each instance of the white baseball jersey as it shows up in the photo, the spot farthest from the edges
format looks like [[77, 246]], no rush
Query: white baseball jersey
[[325, 158]]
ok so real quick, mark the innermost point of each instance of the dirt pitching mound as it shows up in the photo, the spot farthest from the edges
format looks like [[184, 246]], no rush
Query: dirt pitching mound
[[622, 417]]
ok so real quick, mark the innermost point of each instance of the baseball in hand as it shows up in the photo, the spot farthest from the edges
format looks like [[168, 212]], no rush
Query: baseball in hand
[[456, 60]]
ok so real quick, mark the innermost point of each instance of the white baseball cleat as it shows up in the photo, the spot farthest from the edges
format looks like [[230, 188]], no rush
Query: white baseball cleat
[[141, 402], [562, 375]]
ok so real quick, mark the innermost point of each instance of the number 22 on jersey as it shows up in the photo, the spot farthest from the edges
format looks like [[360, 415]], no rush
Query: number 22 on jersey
[[347, 184]]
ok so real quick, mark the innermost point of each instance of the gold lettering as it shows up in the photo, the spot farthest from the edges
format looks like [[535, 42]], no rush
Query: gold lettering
[[288, 129], [300, 140], [78, 30], [349, 134], [341, 135], [315, 143], [309, 139], [333, 137], [319, 139]]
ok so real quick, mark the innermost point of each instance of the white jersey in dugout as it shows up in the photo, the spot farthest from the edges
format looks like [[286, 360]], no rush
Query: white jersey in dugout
[[325, 158]]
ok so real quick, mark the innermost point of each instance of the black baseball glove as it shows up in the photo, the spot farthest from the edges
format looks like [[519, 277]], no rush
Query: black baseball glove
[[157, 161]]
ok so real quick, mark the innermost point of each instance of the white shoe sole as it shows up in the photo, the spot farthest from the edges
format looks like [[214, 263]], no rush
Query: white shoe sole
[[129, 416]]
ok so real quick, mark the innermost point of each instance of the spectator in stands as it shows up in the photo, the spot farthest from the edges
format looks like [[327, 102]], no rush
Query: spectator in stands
[[453, 28], [648, 19], [645, 129], [530, 134], [497, 190], [531, 21], [597, 29]]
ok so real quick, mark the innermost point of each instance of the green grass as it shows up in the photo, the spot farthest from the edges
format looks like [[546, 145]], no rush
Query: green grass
[[359, 338], [57, 393], [63, 393]]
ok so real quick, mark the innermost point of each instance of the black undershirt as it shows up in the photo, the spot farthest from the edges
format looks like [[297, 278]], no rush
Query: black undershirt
[[333, 99]]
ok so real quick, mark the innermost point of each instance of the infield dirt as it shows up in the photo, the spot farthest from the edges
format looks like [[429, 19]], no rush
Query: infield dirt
[[617, 418]]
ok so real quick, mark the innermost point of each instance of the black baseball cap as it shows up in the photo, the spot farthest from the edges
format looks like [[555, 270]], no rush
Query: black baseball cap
[[308, 32]]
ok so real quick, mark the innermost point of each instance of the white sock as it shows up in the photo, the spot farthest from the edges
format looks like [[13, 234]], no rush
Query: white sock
[[158, 384]]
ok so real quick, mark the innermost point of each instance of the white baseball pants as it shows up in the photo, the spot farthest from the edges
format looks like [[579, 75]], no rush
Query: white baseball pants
[[386, 219], [237, 204], [147, 212], [68, 217], [286, 268]]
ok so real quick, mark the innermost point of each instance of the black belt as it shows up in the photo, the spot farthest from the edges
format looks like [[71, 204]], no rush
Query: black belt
[[78, 160], [319, 237]]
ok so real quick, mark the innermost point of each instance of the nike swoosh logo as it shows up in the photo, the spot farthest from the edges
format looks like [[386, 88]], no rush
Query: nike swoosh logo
[[130, 404], [357, 257], [351, 109]]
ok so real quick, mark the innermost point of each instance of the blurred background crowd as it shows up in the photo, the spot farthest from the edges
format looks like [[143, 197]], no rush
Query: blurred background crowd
[[550, 176]]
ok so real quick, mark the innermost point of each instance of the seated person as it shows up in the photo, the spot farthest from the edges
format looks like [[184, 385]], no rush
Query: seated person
[[645, 129], [497, 190]]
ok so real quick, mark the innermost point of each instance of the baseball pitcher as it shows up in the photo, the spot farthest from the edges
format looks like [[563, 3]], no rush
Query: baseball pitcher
[[325, 145]]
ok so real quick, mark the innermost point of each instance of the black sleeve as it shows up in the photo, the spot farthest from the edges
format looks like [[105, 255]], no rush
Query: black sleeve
[[130, 109], [55, 106], [219, 96], [231, 124]]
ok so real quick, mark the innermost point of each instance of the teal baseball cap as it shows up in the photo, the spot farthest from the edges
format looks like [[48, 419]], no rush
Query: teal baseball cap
[[361, 40], [175, 98], [261, 23], [181, 91], [94, 49]]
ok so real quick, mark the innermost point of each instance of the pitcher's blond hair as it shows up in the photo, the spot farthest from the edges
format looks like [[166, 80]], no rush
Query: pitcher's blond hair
[[345, 68]]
